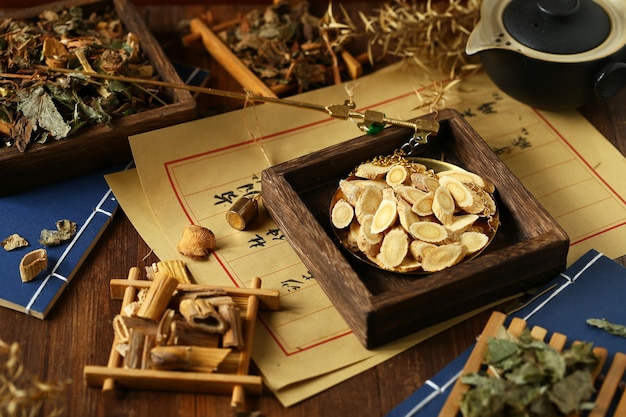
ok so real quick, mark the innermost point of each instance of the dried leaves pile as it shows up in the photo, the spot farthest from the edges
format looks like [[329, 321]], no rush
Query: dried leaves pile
[[21, 394], [529, 378], [284, 43], [36, 106]]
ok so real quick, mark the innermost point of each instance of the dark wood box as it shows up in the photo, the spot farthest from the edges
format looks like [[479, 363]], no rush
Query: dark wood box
[[99, 146], [380, 306]]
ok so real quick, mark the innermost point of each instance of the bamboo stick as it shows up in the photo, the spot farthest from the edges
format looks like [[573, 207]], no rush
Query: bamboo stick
[[188, 358], [238, 398], [158, 297], [229, 61], [130, 293]]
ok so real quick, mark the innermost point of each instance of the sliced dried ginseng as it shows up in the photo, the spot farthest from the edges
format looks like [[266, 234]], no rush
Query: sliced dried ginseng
[[430, 232], [418, 249], [424, 205], [371, 171], [368, 242], [461, 194], [461, 223], [423, 181], [394, 248], [386, 214], [473, 241], [443, 205], [342, 214], [368, 202], [351, 190], [408, 193], [406, 216], [396, 175], [443, 257], [468, 178]]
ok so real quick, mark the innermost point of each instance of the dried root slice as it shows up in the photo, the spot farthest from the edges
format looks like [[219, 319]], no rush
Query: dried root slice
[[371, 171], [468, 178], [424, 182], [342, 214], [461, 223], [351, 191], [394, 248], [409, 193], [385, 215], [368, 242], [368, 202], [175, 268], [424, 205], [442, 257], [418, 249], [409, 265], [461, 194], [430, 232], [352, 238], [32, 264], [443, 205], [405, 215], [473, 241], [396, 175]]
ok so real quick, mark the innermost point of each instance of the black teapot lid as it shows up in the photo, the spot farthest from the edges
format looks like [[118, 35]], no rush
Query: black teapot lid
[[557, 26]]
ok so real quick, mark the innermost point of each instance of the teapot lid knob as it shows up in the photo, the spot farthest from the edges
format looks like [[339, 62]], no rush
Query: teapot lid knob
[[558, 9]]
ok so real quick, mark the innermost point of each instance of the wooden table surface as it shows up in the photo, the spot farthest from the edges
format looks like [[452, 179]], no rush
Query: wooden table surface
[[78, 330]]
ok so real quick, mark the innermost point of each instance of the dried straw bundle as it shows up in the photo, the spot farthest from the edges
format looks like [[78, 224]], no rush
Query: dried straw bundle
[[22, 394], [431, 32]]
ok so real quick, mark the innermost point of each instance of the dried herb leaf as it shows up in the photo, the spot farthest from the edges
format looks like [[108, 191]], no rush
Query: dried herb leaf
[[66, 229], [39, 108], [529, 378], [613, 328]]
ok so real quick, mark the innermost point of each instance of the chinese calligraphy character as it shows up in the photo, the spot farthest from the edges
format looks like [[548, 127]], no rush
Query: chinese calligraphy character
[[226, 197], [257, 241], [276, 233]]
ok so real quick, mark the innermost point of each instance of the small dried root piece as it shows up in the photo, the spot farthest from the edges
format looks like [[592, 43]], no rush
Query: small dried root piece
[[443, 205], [424, 182], [396, 175], [386, 214], [406, 216], [461, 223], [459, 191], [32, 264], [424, 205], [442, 257], [408, 193], [368, 242], [197, 242], [418, 249], [371, 171], [430, 232], [175, 268], [351, 191], [201, 314], [394, 248], [473, 241], [66, 229], [368, 202], [342, 214], [14, 241], [468, 178]]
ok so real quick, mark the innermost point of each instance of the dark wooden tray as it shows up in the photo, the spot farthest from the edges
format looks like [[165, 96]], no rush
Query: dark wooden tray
[[99, 146], [380, 306]]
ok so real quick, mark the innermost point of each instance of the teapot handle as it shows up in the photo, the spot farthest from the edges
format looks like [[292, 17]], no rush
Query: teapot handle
[[610, 80]]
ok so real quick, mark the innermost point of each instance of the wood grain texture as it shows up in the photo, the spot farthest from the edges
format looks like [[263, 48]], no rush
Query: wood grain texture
[[380, 305], [77, 332]]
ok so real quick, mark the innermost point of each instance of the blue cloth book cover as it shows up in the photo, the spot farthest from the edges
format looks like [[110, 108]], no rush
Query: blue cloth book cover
[[85, 200], [593, 287]]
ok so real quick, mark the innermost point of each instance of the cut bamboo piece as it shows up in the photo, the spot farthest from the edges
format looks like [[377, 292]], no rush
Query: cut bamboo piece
[[238, 397], [187, 358], [353, 65], [158, 297], [108, 384], [231, 63], [201, 314], [32, 264]]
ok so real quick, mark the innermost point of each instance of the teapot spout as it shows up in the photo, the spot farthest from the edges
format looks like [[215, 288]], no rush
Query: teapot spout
[[489, 32]]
